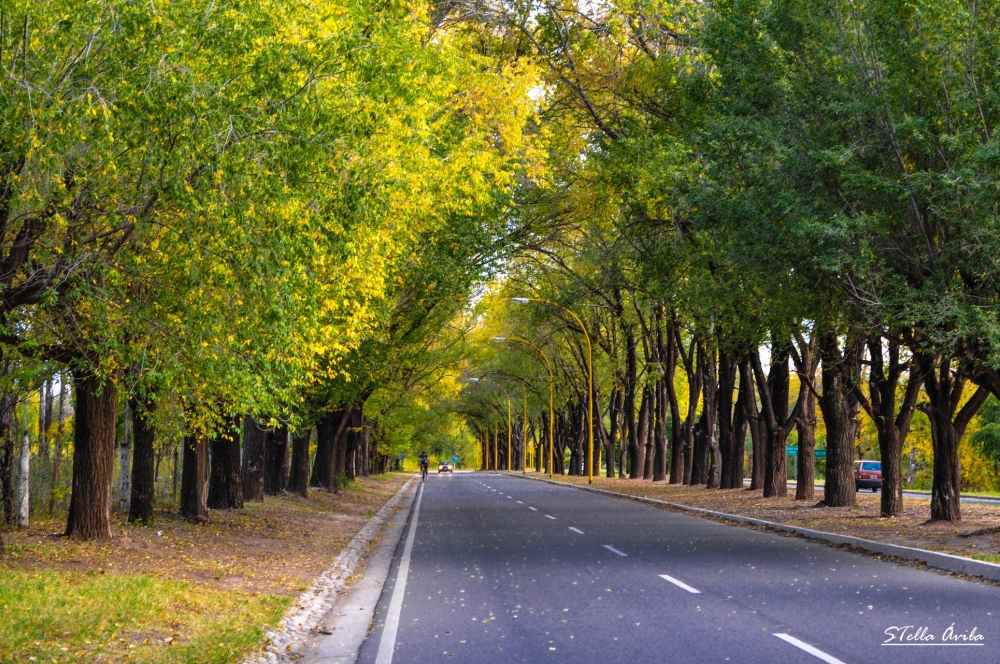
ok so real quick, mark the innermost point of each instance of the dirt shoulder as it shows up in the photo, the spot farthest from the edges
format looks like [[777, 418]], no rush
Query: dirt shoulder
[[911, 529], [174, 592]]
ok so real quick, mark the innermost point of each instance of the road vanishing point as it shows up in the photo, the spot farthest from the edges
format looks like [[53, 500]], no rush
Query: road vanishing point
[[495, 568]]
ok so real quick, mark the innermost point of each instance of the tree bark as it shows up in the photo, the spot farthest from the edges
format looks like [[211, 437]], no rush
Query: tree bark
[[298, 480], [631, 426], [93, 459], [806, 362], [645, 459], [328, 429], [774, 395], [690, 361], [840, 406], [7, 405], [710, 409], [276, 462], [755, 422], [944, 384], [225, 484], [732, 422], [254, 444], [143, 483], [193, 506], [124, 457], [892, 426], [57, 445], [24, 483]]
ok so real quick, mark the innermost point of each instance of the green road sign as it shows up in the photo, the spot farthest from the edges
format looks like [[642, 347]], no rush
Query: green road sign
[[793, 450]]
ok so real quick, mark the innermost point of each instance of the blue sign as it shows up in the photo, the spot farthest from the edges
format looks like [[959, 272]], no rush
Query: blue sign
[[454, 459]]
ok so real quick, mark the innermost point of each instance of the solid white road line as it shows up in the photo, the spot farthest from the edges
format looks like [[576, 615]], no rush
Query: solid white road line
[[815, 652], [533, 509], [614, 550], [576, 530], [549, 516], [680, 584], [388, 643]]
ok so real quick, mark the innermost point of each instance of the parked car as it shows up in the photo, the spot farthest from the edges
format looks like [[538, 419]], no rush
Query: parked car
[[445, 467], [867, 475]]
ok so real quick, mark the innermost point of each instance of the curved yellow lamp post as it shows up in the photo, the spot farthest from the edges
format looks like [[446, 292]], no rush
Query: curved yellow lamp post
[[590, 380], [548, 365]]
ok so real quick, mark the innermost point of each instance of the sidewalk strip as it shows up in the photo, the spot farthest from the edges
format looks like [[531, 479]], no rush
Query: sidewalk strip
[[388, 643]]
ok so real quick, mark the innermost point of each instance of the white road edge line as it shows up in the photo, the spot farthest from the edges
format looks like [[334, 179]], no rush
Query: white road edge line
[[576, 530], [549, 516], [680, 584], [533, 509], [616, 551], [815, 652], [388, 643]]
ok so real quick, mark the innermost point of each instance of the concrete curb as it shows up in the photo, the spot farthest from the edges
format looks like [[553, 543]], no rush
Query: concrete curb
[[943, 561], [315, 603]]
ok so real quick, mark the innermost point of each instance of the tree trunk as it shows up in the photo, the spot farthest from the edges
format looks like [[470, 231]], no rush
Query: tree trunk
[[93, 459], [276, 462], [732, 422], [24, 483], [254, 444], [298, 480], [687, 432], [613, 410], [44, 419], [805, 483], [631, 426], [124, 454], [328, 430], [699, 453], [143, 489], [225, 484], [944, 386], [892, 426], [755, 422], [774, 394], [57, 446], [193, 506], [713, 477], [366, 437], [642, 436], [7, 405], [840, 406], [806, 363]]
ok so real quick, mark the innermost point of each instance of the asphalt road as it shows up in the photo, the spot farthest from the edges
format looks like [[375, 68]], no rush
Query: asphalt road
[[501, 569]]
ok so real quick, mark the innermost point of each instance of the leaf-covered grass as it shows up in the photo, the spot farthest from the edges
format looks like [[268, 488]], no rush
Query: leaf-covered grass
[[71, 616]]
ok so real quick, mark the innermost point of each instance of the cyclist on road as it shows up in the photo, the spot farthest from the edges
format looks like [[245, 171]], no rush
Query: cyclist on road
[[424, 462]]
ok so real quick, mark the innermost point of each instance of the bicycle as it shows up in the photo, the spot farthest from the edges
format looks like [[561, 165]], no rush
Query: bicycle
[[423, 473]]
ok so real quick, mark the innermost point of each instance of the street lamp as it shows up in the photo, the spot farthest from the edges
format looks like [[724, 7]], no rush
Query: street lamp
[[590, 380], [548, 365]]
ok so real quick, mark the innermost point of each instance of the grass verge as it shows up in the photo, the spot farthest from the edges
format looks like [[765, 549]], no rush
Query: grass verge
[[62, 617]]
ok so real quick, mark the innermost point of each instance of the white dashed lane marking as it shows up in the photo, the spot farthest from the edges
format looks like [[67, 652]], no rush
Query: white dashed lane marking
[[815, 652], [680, 584], [549, 516], [615, 551], [576, 530], [519, 502], [533, 509]]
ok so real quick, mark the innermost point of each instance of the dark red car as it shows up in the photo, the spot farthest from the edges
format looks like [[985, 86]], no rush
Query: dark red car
[[867, 475]]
